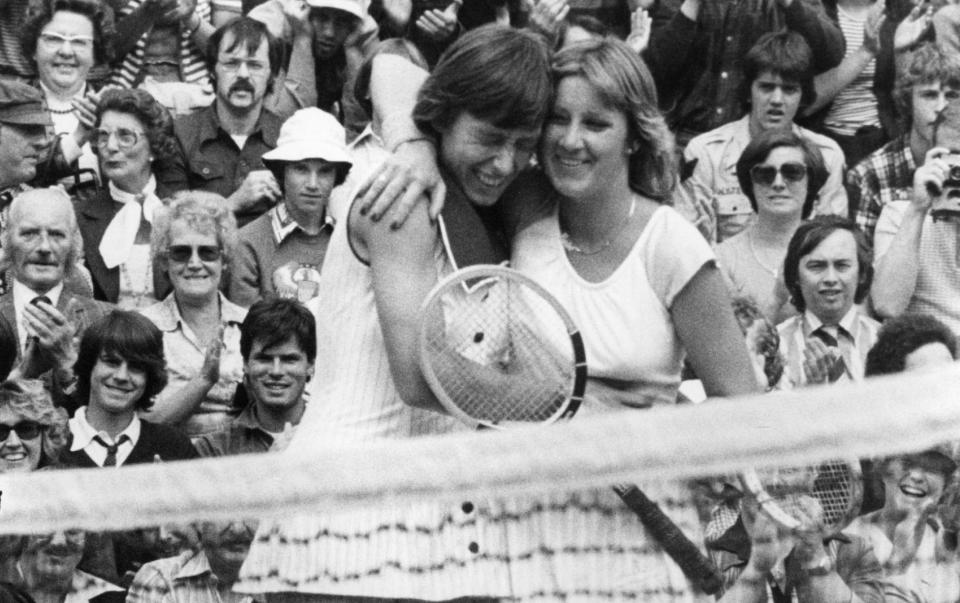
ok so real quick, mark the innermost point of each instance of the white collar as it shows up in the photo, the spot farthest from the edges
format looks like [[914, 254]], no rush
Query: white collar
[[84, 432], [22, 294], [121, 196]]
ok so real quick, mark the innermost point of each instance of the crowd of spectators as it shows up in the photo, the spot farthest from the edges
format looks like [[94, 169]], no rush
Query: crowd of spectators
[[219, 220]]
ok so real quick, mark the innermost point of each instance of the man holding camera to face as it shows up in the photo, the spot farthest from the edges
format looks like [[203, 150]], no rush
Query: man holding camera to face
[[917, 240]]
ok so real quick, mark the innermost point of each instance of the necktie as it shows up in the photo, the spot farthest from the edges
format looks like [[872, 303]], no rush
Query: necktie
[[111, 460], [41, 298], [832, 342]]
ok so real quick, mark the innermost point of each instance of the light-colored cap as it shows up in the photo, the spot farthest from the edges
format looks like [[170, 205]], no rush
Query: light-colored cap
[[357, 8], [310, 133]]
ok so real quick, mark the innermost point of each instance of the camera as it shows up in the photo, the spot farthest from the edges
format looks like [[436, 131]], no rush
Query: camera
[[947, 206]]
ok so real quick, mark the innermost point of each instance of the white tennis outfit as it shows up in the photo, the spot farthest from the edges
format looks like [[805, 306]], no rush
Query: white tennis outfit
[[584, 546]]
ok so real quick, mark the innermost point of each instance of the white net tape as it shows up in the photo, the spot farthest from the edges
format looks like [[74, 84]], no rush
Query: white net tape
[[882, 416]]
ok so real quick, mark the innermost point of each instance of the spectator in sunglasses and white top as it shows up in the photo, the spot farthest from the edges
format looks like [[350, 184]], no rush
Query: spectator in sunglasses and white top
[[193, 241], [780, 172], [777, 84]]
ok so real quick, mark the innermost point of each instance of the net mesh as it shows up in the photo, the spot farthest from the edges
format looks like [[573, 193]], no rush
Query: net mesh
[[499, 352], [833, 484], [888, 415]]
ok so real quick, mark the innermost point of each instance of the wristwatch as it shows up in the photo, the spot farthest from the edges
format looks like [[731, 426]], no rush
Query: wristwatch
[[822, 567]]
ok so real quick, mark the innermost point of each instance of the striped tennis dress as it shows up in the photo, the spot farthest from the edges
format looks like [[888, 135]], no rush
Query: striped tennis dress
[[582, 546]]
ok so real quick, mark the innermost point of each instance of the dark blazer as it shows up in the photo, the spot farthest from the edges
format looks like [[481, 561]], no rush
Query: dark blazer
[[94, 213], [86, 311], [169, 443]]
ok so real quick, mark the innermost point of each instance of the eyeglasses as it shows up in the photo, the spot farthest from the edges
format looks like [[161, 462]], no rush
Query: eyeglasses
[[766, 174], [54, 41], [182, 253], [26, 430], [234, 65], [125, 138]]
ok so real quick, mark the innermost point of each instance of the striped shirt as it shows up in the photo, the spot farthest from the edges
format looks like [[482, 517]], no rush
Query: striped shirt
[[855, 106], [12, 61], [193, 67]]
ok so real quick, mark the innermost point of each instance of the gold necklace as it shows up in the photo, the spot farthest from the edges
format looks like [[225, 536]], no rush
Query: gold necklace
[[572, 247]]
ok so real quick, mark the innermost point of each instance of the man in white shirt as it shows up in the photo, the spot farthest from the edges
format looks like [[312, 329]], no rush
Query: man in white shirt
[[827, 272]]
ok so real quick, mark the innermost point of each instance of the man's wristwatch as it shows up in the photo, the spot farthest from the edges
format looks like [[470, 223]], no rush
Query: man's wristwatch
[[821, 567]]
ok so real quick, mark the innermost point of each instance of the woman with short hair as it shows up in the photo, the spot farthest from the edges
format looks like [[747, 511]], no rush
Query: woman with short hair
[[132, 136], [194, 242]]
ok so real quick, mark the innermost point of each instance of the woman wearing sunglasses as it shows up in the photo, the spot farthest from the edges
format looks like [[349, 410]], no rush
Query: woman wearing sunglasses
[[133, 136], [32, 431], [194, 240], [780, 173]]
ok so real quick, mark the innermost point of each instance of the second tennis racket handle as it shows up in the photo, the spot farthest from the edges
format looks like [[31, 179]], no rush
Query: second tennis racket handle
[[685, 553]]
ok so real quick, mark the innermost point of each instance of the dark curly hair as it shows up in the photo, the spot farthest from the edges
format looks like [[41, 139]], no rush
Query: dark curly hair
[[132, 337], [901, 336], [156, 120], [41, 12]]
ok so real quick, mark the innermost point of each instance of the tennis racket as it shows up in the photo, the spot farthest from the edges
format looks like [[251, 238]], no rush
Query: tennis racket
[[833, 489], [498, 350]]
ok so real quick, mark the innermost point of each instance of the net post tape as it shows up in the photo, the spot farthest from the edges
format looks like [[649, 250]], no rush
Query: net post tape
[[881, 416]]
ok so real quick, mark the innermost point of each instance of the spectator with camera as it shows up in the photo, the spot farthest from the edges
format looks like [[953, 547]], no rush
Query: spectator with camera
[[917, 266], [930, 79]]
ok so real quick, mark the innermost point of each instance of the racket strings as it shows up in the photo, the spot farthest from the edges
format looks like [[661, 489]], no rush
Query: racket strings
[[491, 352], [832, 485]]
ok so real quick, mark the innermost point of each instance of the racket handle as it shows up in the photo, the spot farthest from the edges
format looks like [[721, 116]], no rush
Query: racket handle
[[685, 554]]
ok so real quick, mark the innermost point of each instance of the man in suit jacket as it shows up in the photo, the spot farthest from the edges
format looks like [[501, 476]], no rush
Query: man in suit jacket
[[38, 250]]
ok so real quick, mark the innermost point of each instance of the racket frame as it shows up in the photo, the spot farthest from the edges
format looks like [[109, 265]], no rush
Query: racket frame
[[753, 486], [479, 275]]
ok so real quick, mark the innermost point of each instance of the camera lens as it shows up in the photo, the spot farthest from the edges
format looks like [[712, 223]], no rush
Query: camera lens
[[955, 172]]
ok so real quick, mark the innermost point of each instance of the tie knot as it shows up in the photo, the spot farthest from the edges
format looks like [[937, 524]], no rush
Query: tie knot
[[41, 298], [140, 198], [826, 337], [111, 448]]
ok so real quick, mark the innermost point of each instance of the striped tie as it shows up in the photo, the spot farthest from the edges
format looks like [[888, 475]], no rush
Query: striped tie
[[111, 460]]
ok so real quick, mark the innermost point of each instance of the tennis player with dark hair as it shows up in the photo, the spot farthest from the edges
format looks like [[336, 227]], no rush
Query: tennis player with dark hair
[[485, 102]]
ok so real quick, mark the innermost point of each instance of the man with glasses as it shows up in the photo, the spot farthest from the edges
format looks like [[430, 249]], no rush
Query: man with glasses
[[220, 146], [38, 250], [778, 82]]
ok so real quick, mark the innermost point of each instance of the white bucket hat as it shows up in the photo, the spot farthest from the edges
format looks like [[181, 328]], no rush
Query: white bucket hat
[[356, 8], [310, 133]]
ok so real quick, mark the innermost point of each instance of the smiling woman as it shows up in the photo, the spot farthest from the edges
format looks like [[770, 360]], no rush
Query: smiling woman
[[66, 39], [194, 243], [30, 426]]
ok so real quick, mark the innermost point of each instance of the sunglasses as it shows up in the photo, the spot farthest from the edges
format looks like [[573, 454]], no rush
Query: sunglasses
[[183, 253], [766, 174], [27, 430]]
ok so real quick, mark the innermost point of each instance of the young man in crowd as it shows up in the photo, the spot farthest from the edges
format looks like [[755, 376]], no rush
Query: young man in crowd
[[918, 237], [278, 342], [827, 272], [778, 82], [281, 252], [220, 146], [923, 90]]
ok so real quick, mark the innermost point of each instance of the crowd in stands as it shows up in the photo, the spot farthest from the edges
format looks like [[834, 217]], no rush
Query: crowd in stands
[[219, 220]]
